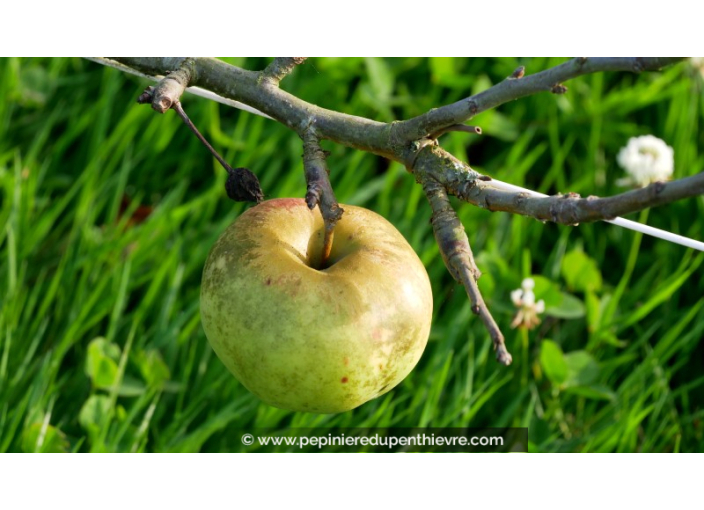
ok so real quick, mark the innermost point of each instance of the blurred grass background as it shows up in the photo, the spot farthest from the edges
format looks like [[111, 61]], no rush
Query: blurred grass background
[[108, 211]]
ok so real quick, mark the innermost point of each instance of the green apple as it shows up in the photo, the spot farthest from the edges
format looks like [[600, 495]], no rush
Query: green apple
[[309, 338]]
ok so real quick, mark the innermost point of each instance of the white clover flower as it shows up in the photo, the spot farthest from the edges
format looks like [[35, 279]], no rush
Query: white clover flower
[[528, 309], [646, 159]]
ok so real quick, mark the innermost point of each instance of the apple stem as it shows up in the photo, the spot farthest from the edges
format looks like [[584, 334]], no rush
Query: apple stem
[[327, 244], [459, 260], [319, 190]]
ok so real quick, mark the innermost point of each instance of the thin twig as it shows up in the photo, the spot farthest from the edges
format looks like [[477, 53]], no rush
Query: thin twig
[[281, 67], [457, 254], [241, 185], [513, 88], [181, 113], [474, 130]]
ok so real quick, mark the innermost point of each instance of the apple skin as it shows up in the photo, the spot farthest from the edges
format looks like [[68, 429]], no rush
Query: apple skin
[[304, 339]]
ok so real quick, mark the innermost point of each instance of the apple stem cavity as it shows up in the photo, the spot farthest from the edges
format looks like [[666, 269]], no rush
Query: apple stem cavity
[[319, 190]]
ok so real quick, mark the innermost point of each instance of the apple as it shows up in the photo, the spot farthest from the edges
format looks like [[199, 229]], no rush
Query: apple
[[308, 338]]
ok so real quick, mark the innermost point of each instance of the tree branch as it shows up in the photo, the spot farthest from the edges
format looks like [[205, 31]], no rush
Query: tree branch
[[518, 85], [568, 209], [393, 141], [459, 260], [571, 209], [246, 86], [196, 91]]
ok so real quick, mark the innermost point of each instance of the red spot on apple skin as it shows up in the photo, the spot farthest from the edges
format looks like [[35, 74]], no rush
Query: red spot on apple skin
[[346, 361], [283, 203], [268, 281], [344, 380]]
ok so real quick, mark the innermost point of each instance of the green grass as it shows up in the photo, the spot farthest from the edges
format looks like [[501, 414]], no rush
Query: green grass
[[101, 347]]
